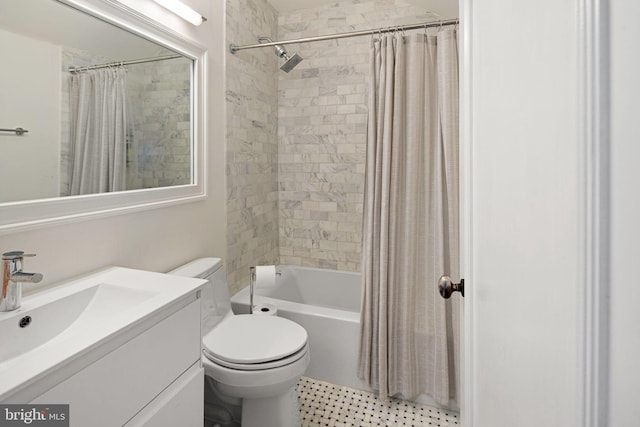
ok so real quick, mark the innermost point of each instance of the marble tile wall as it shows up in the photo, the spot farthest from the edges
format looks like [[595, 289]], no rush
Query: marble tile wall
[[322, 116], [252, 143], [159, 132]]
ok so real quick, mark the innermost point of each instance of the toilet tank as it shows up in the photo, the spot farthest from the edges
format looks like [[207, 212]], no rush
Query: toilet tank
[[216, 303]]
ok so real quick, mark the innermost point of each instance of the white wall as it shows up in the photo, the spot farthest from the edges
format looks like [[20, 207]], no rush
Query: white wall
[[157, 239], [624, 354], [30, 99], [68, 27]]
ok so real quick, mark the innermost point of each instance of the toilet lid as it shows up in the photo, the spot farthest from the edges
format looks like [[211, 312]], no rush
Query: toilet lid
[[259, 366], [248, 339]]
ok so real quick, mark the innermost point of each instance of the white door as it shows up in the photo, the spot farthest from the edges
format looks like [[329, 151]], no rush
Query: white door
[[523, 209], [624, 315]]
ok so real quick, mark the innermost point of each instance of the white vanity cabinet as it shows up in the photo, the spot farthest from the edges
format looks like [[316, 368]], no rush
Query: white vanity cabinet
[[153, 379]]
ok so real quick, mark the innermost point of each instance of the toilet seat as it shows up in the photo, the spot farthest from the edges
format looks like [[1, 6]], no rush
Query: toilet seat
[[258, 366], [252, 342]]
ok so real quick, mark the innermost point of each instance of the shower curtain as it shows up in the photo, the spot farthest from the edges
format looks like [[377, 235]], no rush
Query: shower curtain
[[98, 131], [409, 334]]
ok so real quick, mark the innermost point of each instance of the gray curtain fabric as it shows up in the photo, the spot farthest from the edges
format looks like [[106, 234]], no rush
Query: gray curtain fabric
[[98, 131], [409, 334]]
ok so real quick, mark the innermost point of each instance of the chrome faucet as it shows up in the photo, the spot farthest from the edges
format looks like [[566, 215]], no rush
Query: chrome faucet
[[12, 279]]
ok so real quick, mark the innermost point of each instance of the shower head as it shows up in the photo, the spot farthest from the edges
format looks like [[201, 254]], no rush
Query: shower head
[[291, 61]]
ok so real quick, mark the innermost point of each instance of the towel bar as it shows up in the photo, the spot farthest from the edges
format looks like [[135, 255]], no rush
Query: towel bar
[[18, 131]]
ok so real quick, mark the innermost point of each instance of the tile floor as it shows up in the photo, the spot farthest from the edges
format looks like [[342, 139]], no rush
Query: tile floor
[[326, 404]]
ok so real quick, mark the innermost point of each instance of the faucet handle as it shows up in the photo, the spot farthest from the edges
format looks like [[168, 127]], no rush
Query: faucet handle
[[22, 277], [8, 256]]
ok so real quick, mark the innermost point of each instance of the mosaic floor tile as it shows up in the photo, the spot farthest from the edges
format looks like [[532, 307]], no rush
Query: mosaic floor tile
[[330, 405]]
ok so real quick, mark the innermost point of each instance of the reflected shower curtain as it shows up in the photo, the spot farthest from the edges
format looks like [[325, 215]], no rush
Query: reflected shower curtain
[[98, 131], [409, 334]]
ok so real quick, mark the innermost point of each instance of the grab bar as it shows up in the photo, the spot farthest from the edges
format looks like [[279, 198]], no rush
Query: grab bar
[[18, 131]]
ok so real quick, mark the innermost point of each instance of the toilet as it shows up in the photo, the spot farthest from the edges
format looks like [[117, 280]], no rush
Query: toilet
[[252, 363]]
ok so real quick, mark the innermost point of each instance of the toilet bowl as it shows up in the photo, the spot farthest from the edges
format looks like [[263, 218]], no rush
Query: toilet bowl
[[253, 362]]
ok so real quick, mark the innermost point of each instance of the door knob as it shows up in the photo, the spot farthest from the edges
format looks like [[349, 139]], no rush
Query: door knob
[[447, 287]]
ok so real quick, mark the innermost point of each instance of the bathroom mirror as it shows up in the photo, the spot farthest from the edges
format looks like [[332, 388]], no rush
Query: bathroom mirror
[[110, 108]]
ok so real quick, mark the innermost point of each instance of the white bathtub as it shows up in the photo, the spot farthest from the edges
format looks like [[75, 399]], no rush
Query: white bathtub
[[327, 304]]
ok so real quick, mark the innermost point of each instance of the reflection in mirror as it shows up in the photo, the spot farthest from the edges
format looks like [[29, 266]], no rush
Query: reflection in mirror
[[105, 110]]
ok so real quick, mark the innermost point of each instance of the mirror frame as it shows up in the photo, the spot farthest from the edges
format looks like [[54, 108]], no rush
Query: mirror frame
[[29, 214]]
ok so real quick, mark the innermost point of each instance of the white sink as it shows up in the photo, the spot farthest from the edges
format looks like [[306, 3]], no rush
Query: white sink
[[78, 310], [68, 322]]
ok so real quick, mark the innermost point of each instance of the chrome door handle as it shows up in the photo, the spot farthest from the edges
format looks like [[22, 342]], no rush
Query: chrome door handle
[[447, 287]]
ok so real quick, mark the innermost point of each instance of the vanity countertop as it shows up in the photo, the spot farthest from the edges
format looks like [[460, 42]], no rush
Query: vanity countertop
[[59, 331]]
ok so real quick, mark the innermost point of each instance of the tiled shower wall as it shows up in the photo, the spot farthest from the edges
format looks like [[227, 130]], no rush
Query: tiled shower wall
[[252, 144], [296, 142], [160, 123], [322, 118]]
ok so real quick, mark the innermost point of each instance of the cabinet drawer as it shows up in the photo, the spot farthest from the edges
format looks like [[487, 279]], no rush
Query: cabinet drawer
[[112, 390], [181, 404]]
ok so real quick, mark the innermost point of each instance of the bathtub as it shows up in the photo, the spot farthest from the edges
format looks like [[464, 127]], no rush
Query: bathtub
[[327, 304]]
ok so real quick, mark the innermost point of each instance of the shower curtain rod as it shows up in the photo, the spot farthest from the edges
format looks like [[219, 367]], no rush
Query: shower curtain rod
[[234, 48], [120, 63]]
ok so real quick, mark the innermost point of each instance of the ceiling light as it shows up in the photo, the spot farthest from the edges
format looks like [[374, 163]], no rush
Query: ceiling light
[[182, 10]]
